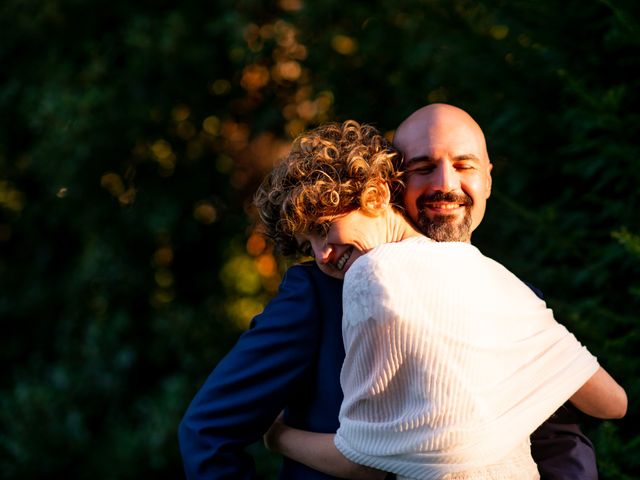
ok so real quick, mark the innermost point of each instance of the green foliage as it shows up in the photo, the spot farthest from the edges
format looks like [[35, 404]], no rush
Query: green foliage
[[133, 135]]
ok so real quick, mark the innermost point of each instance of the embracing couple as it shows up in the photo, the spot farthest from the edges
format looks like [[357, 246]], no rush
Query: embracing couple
[[400, 351]]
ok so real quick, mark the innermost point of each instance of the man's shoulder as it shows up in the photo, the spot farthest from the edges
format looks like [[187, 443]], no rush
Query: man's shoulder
[[309, 271], [306, 282], [535, 289]]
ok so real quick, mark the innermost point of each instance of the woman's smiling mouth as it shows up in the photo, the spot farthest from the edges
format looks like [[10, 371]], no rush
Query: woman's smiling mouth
[[343, 258]]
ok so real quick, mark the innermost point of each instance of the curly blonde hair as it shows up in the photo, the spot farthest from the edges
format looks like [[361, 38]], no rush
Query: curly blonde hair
[[330, 170]]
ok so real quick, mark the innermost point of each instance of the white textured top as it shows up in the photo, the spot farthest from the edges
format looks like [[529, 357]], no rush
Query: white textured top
[[451, 362]]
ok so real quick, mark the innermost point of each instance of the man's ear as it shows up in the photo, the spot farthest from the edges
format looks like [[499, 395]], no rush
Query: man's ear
[[489, 179]]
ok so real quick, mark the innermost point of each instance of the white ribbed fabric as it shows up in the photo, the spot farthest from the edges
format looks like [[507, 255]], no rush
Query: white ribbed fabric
[[451, 363]]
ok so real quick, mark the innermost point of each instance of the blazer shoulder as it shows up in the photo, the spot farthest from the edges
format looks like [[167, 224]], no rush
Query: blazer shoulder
[[311, 273], [534, 289]]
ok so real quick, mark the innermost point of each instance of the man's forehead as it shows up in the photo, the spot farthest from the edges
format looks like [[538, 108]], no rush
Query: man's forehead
[[440, 133]]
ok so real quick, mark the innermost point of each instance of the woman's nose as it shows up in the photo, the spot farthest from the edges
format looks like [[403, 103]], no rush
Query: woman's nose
[[322, 251]]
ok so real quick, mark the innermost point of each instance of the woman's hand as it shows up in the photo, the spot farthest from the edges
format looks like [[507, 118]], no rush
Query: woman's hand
[[315, 450], [272, 438]]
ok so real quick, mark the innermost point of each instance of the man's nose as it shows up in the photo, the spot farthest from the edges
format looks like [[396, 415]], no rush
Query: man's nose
[[445, 178]]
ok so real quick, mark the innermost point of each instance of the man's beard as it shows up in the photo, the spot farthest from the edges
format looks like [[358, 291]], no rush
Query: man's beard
[[444, 228]]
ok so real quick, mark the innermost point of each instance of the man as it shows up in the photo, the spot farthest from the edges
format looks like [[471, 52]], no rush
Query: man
[[292, 355], [448, 172], [449, 181]]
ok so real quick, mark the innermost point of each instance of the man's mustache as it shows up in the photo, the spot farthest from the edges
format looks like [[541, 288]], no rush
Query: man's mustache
[[451, 197]]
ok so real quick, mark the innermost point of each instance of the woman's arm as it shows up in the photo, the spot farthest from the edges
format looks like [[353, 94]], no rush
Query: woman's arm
[[317, 451], [601, 397]]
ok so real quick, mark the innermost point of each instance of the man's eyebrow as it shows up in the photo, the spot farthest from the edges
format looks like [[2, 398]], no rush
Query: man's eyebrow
[[467, 156], [428, 159], [422, 159]]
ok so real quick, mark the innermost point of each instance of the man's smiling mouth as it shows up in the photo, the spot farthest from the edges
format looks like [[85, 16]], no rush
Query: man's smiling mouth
[[445, 206]]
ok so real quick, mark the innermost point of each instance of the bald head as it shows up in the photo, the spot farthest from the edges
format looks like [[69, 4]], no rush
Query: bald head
[[448, 171], [435, 124]]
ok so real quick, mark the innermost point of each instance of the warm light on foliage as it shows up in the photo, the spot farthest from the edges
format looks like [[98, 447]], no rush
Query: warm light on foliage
[[254, 77], [242, 310], [161, 297], [132, 142], [245, 275], [186, 130], [180, 113], [267, 265], [344, 44], [163, 257], [307, 110], [211, 125], [290, 5], [240, 275], [256, 244], [295, 127], [288, 70], [629, 240], [164, 278], [264, 151], [236, 135], [499, 32], [162, 152], [253, 38], [224, 164], [205, 212], [10, 197], [163, 294], [114, 184], [324, 101], [220, 87], [524, 40]]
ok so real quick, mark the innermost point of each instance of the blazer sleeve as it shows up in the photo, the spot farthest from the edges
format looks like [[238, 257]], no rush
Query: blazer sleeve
[[251, 384], [559, 447]]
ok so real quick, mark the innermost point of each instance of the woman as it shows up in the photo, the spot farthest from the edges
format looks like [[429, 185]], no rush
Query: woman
[[451, 362]]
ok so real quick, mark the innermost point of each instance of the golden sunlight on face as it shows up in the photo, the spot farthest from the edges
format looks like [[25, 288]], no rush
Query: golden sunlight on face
[[340, 240], [448, 172]]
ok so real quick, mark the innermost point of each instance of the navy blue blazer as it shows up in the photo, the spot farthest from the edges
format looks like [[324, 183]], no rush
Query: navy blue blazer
[[290, 358]]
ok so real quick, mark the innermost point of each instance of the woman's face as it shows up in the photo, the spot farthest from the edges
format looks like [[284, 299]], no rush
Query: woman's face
[[339, 240]]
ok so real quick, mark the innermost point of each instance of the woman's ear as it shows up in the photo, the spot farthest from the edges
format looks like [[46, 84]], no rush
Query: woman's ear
[[385, 194], [378, 197]]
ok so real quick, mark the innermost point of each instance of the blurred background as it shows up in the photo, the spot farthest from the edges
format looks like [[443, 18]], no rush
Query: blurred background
[[132, 138]]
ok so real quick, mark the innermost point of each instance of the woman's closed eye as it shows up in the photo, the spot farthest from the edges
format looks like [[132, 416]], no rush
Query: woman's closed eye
[[305, 249], [321, 228]]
